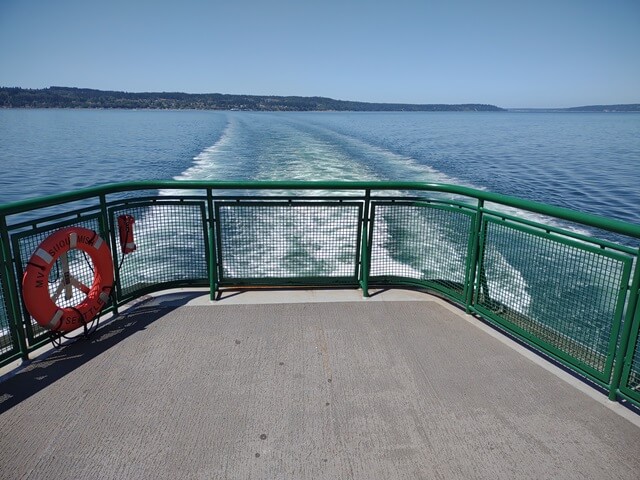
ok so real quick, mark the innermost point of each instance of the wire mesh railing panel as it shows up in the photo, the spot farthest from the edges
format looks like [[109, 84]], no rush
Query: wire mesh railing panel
[[171, 246], [283, 240], [567, 296], [8, 344], [421, 242], [75, 263]]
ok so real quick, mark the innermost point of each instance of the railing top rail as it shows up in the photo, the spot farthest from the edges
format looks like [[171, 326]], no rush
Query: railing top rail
[[588, 219]]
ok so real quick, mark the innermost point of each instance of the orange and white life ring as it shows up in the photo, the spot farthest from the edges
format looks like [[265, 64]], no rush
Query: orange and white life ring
[[35, 281]]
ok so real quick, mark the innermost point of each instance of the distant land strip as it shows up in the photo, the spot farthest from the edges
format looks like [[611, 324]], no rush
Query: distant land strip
[[627, 107], [71, 97], [68, 97]]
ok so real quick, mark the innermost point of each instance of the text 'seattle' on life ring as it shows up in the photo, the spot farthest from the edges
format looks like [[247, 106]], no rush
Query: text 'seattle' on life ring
[[38, 300]]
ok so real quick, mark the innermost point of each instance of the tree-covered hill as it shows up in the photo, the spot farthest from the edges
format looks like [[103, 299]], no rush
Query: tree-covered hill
[[66, 97], [631, 107]]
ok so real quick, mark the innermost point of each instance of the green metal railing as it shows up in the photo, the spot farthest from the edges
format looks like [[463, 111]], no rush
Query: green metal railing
[[565, 283]]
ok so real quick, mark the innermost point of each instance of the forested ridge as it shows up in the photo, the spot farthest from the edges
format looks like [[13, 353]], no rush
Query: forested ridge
[[69, 97], [630, 107]]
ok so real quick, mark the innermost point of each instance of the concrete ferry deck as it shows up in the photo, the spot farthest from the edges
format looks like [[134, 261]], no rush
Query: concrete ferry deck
[[317, 384]]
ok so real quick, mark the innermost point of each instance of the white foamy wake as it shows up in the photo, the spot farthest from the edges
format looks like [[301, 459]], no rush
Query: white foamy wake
[[507, 285], [382, 261], [297, 155], [284, 242], [204, 166]]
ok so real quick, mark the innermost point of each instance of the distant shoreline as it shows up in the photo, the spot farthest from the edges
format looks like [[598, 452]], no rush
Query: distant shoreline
[[623, 108], [85, 98], [66, 97]]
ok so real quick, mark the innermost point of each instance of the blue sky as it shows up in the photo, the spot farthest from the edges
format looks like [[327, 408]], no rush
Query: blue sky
[[542, 53]]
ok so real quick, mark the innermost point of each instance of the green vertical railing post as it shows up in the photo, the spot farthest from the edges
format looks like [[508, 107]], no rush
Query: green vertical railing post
[[482, 283], [472, 262], [623, 344], [105, 233], [103, 220], [17, 330], [213, 256], [213, 266], [364, 245]]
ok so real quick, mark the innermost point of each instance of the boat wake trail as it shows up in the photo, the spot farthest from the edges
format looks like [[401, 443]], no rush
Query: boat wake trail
[[275, 147]]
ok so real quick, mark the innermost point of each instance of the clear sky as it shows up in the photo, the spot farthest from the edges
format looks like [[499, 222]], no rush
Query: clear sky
[[511, 53]]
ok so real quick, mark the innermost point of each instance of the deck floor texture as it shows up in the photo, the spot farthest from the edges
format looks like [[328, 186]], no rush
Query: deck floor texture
[[346, 390]]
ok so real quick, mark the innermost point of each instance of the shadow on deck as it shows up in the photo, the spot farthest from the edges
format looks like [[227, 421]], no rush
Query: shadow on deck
[[321, 386]]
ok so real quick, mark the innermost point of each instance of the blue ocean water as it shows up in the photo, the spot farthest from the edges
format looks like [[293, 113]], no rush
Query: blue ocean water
[[584, 161]]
